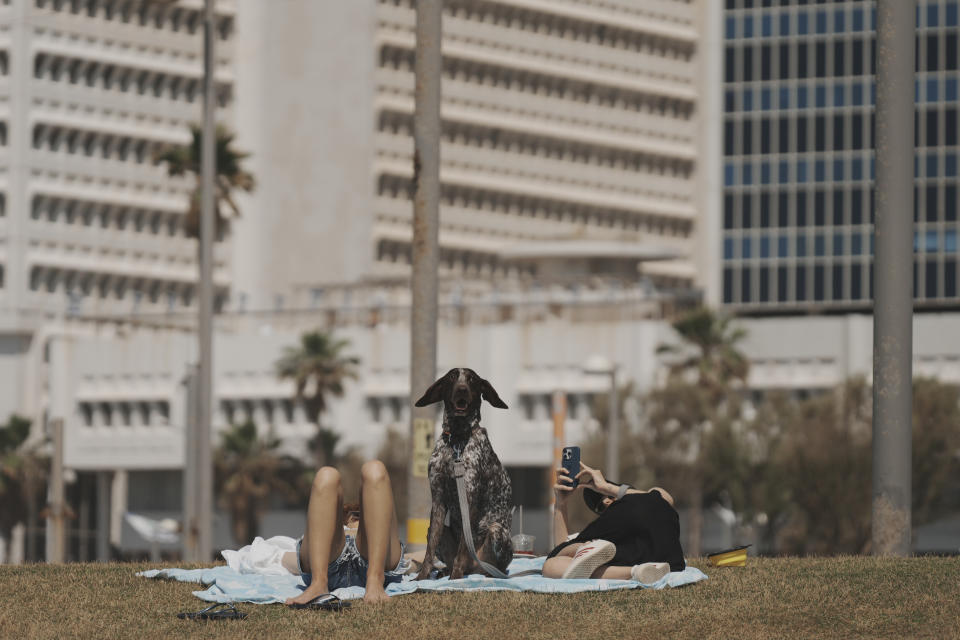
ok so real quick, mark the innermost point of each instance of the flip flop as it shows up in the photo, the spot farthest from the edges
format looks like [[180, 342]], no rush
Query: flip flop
[[324, 602], [218, 611]]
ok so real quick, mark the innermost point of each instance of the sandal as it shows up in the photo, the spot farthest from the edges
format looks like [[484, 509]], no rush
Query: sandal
[[324, 602], [218, 611]]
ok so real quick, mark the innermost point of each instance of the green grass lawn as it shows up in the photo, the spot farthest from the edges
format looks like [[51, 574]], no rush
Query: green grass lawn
[[847, 597]]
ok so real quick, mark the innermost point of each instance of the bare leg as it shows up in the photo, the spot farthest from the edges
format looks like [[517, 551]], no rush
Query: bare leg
[[323, 539], [378, 538]]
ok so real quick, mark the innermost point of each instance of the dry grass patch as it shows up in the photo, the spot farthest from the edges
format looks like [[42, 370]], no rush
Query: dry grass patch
[[842, 597]]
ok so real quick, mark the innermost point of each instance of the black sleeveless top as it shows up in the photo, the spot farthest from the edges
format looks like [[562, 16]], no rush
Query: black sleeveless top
[[645, 528]]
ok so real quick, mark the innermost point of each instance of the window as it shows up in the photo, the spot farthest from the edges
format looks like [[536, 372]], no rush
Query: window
[[838, 59], [783, 136], [800, 277], [802, 23], [802, 135], [801, 246], [764, 247], [818, 283], [784, 24], [933, 49], [765, 137], [746, 247], [766, 25], [748, 64], [731, 28], [838, 209], [838, 134], [837, 281], [784, 98], [856, 206], [819, 245], [748, 26], [821, 19], [802, 61], [783, 246], [856, 244], [781, 284], [839, 92], [820, 59], [728, 249], [802, 97], [930, 203], [745, 288], [746, 211], [857, 19], [766, 63]]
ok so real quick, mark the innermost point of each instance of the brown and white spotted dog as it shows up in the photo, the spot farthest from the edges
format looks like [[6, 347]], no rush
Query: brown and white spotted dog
[[487, 485]]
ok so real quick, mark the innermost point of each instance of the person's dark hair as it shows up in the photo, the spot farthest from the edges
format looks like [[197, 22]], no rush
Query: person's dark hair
[[594, 499]]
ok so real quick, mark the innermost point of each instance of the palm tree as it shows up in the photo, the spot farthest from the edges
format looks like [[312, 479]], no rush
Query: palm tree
[[715, 362], [248, 469], [702, 382], [184, 159], [319, 369]]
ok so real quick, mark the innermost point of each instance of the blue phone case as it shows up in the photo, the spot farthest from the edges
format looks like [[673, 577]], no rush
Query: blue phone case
[[570, 461]]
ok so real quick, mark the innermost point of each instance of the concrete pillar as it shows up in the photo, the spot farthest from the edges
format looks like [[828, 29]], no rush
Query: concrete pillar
[[103, 516], [118, 505]]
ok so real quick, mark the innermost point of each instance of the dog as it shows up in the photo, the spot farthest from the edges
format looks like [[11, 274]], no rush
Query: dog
[[488, 490]]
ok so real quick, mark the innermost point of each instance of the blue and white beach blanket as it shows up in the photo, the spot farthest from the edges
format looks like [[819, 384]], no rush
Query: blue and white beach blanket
[[225, 584]]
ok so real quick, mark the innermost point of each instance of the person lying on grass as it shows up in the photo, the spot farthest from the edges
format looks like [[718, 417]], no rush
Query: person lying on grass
[[636, 535], [357, 546]]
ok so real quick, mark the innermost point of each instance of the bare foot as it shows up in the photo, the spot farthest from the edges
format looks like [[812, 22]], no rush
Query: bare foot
[[375, 594], [310, 593]]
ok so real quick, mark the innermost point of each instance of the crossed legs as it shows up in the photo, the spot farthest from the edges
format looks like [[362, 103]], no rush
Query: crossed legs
[[378, 540]]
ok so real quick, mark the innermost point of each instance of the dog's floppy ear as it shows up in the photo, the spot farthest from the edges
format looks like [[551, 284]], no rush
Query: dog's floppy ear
[[437, 389], [490, 395]]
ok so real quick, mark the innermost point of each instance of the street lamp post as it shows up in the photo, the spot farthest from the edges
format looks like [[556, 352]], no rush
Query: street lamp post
[[601, 366]]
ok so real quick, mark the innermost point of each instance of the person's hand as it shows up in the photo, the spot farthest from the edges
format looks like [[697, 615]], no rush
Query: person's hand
[[593, 479], [563, 487]]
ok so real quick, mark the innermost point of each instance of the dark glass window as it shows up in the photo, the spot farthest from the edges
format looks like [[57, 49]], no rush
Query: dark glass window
[[857, 58], [781, 284], [932, 138], [764, 293], [838, 244], [746, 211], [856, 132], [784, 24], [802, 60], [784, 61], [838, 207], [783, 134], [950, 55], [747, 139], [838, 66], [765, 62], [819, 208], [858, 19], [800, 280], [764, 209], [950, 278], [838, 132], [801, 246], [727, 285], [820, 59], [747, 64], [930, 278], [728, 211], [856, 206], [950, 203], [729, 101], [933, 50], [856, 288], [782, 209], [821, 21], [818, 282], [801, 208], [745, 289], [837, 278], [802, 134], [930, 204], [950, 126], [728, 137], [730, 62], [820, 133], [765, 137], [819, 245]]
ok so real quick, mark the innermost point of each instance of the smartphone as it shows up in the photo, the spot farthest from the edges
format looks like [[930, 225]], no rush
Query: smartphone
[[570, 461]]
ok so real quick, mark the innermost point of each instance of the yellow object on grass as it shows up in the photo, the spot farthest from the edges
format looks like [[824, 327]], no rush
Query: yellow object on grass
[[736, 557]]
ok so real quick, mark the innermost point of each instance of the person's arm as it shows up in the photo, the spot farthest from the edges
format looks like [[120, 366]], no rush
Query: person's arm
[[593, 479], [562, 492]]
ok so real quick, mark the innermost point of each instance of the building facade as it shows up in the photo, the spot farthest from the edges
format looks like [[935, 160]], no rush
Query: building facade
[[798, 162], [573, 122]]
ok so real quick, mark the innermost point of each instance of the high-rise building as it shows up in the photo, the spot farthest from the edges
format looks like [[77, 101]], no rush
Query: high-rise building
[[572, 142], [91, 91], [798, 160]]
